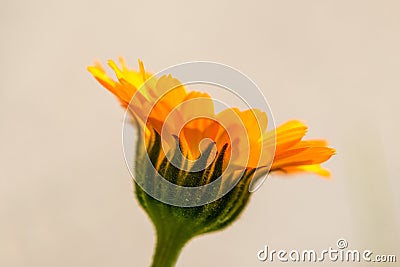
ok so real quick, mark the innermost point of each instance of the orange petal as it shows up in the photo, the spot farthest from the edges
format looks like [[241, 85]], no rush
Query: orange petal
[[302, 156], [315, 169], [285, 135]]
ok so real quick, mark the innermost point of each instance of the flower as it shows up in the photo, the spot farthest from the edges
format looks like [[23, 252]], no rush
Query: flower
[[238, 148], [292, 154]]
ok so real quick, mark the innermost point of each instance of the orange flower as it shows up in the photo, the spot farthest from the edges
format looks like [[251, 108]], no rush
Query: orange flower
[[165, 103]]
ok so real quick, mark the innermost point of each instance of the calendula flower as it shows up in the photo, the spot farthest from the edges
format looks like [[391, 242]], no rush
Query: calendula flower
[[175, 123]]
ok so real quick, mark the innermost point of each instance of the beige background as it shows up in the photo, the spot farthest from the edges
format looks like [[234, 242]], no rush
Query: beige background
[[65, 194]]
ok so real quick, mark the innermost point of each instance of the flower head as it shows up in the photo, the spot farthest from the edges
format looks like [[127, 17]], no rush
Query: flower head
[[160, 98], [191, 145]]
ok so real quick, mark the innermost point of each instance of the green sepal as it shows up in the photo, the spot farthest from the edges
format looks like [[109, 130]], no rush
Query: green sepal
[[175, 226]]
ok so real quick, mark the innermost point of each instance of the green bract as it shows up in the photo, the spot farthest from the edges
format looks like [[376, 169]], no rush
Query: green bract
[[175, 225]]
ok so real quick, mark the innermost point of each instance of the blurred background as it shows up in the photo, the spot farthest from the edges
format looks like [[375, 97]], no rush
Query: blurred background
[[65, 194]]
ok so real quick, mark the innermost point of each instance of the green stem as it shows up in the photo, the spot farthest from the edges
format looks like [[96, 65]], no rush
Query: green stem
[[169, 245]]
